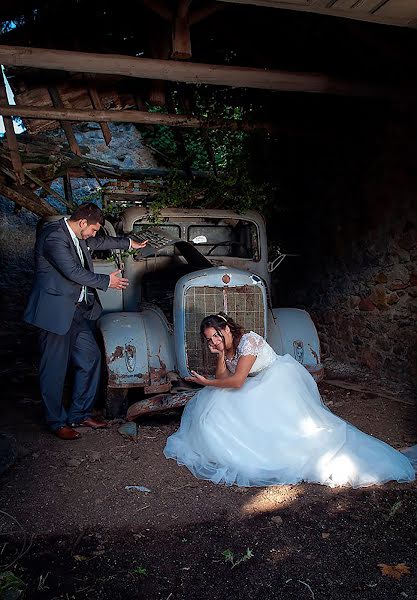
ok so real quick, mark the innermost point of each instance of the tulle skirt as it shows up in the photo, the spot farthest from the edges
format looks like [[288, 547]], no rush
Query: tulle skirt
[[276, 430]]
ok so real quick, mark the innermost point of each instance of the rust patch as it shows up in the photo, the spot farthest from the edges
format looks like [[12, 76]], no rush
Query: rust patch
[[316, 372], [118, 353], [158, 375], [157, 389], [316, 356]]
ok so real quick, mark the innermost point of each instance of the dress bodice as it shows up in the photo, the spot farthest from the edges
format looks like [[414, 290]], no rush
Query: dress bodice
[[252, 344]]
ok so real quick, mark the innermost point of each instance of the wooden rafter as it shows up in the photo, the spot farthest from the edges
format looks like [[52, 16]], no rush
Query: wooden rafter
[[26, 199], [125, 116], [96, 102], [188, 72], [11, 136], [66, 126]]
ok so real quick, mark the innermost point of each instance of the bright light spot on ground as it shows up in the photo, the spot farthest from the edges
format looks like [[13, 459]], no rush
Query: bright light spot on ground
[[269, 499]]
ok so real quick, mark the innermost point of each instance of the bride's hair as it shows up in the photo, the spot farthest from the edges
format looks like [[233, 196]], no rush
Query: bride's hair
[[219, 322]]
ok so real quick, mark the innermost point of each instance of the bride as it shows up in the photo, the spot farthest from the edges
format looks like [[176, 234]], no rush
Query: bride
[[261, 422]]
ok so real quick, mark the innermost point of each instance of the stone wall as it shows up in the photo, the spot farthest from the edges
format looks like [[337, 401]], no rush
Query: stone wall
[[357, 274]]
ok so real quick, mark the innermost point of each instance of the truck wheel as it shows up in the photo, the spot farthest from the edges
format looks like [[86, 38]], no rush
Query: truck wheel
[[116, 402]]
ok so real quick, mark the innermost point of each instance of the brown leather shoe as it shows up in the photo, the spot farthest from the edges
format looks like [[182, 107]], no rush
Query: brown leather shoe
[[93, 423], [67, 433]]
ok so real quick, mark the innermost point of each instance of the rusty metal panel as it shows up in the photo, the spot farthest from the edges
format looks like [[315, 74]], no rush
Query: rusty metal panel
[[291, 331], [139, 349]]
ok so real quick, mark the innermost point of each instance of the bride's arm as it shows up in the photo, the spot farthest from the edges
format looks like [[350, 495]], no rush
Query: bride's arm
[[234, 380], [221, 370]]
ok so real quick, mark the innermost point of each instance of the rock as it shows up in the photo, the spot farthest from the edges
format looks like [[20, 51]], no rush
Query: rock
[[354, 301], [73, 462], [277, 520], [94, 456], [381, 278], [129, 430], [393, 298], [378, 296], [137, 488], [366, 305]]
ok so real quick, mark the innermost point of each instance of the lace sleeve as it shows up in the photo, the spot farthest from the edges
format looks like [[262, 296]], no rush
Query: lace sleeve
[[251, 344]]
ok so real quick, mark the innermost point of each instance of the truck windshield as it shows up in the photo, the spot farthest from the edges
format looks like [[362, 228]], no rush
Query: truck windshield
[[237, 239]]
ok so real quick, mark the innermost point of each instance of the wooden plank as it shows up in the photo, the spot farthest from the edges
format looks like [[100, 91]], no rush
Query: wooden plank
[[128, 116], [11, 136], [402, 13], [96, 102], [363, 389], [31, 202], [188, 72], [57, 102]]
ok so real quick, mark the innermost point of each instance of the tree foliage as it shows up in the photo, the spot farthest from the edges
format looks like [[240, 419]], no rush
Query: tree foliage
[[226, 155]]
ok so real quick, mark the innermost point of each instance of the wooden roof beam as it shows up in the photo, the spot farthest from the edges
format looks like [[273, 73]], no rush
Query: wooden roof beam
[[96, 102], [124, 116], [189, 72], [57, 102], [27, 199]]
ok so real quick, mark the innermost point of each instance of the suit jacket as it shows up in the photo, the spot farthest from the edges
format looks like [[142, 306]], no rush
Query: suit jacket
[[59, 277]]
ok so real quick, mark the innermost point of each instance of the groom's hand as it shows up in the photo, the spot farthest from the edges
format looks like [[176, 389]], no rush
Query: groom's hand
[[117, 282]]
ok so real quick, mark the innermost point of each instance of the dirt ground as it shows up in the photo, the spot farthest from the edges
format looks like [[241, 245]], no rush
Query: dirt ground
[[72, 530]]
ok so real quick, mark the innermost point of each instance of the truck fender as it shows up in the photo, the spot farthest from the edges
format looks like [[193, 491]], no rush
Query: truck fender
[[292, 331], [138, 348]]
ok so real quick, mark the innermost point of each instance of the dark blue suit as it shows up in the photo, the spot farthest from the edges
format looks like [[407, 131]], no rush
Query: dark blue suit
[[65, 334]]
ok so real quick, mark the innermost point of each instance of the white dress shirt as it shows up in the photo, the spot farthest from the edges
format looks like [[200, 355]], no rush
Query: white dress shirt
[[83, 294]]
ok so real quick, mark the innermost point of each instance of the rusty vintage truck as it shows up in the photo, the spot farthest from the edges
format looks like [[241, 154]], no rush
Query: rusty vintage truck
[[197, 262]]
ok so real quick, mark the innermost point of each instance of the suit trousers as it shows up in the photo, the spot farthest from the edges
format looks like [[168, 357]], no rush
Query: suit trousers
[[77, 348]]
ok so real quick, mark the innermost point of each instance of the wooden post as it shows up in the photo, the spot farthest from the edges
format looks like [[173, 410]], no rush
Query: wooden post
[[57, 102], [181, 39], [11, 136], [68, 189]]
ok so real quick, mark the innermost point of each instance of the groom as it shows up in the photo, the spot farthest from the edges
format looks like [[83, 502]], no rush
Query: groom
[[63, 303]]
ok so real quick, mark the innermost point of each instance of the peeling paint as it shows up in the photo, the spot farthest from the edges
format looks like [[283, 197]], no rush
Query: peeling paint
[[314, 353], [117, 353]]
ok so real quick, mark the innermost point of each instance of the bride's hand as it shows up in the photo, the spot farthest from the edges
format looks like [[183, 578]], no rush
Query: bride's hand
[[215, 350], [197, 378]]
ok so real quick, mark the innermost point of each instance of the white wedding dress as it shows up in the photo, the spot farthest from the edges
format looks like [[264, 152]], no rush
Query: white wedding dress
[[275, 430]]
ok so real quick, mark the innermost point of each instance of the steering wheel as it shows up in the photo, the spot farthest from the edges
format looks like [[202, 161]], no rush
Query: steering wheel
[[226, 243]]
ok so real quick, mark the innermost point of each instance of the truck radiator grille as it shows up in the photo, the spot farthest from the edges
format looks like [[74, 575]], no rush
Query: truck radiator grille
[[243, 303]]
